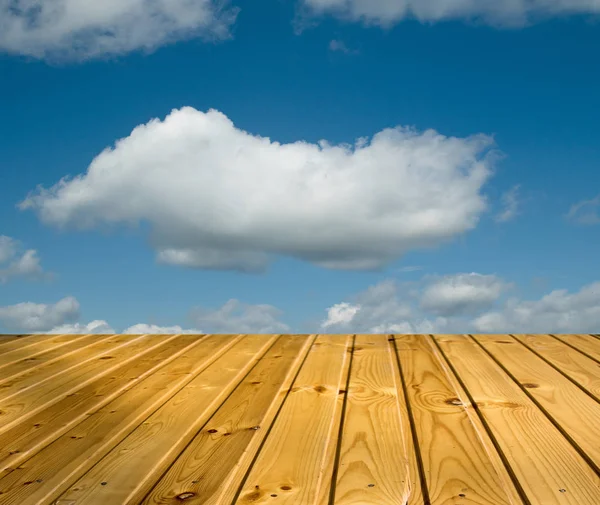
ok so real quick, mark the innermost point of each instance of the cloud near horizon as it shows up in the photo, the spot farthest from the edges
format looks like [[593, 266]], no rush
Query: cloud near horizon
[[386, 307], [463, 303], [357, 206]]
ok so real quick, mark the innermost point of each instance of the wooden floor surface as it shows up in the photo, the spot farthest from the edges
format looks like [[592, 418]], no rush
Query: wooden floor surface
[[300, 419]]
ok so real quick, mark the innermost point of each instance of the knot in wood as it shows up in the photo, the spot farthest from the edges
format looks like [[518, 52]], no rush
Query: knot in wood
[[453, 401], [185, 496]]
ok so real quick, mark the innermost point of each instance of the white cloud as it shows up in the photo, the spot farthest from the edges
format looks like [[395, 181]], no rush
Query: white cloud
[[385, 308], [510, 204], [237, 317], [340, 314], [39, 317], [152, 328], [586, 212], [462, 294], [507, 13], [218, 197], [17, 263], [81, 29], [378, 309], [97, 326], [557, 312]]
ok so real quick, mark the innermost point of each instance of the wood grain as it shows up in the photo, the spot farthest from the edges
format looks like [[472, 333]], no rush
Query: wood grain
[[29, 393], [9, 370], [52, 470], [374, 464], [292, 462], [587, 344], [455, 451], [578, 367], [575, 412], [5, 338], [211, 468], [27, 438], [547, 467], [135, 464], [340, 420], [25, 347]]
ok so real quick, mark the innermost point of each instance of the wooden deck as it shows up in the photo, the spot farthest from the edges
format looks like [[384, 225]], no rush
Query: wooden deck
[[300, 419]]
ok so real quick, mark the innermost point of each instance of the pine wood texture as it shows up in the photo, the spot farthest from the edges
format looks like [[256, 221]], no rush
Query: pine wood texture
[[300, 419]]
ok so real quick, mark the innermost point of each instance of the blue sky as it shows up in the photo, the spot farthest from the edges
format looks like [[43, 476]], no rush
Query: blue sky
[[199, 196]]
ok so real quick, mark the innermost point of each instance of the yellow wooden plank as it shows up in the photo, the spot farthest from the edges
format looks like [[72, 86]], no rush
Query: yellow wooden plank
[[572, 363], [46, 475], [574, 411], [11, 370], [24, 396], [133, 466], [415, 486], [33, 345], [547, 467], [27, 438], [46, 372], [331, 455], [292, 462], [457, 455], [5, 338], [373, 466], [587, 344], [211, 468]]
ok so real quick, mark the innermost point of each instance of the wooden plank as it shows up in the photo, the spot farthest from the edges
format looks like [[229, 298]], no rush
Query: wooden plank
[[457, 456], [374, 465], [26, 347], [133, 466], [25, 439], [11, 370], [572, 363], [293, 462], [587, 344], [19, 341], [52, 470], [211, 468], [46, 372], [331, 456], [25, 397], [415, 486], [547, 467], [5, 338], [577, 415]]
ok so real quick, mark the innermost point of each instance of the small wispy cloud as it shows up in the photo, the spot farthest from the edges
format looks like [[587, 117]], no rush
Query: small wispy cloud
[[586, 212], [340, 46], [14, 262], [510, 205]]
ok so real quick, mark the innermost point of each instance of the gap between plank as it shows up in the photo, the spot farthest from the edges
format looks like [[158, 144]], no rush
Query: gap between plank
[[509, 469], [338, 448], [243, 481], [573, 347], [209, 419], [589, 393], [413, 430], [575, 445]]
